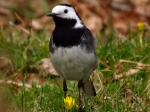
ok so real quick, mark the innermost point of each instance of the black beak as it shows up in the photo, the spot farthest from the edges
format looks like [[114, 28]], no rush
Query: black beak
[[52, 14]]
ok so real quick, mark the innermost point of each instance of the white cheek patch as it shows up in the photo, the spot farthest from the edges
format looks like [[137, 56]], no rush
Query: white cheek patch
[[78, 24]]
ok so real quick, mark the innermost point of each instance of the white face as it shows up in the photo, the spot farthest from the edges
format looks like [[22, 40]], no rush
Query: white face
[[67, 12]]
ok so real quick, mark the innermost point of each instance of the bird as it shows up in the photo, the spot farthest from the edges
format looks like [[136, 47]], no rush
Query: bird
[[73, 50]]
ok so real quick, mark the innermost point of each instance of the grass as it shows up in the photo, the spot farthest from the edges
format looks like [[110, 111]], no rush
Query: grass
[[123, 95]]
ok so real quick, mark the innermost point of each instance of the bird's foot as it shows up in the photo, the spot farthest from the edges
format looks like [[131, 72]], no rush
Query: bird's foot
[[81, 109]]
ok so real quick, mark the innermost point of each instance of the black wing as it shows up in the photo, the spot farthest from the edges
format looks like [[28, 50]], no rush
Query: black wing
[[88, 41]]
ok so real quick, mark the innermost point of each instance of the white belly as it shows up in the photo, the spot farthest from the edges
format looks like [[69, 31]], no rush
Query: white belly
[[73, 63]]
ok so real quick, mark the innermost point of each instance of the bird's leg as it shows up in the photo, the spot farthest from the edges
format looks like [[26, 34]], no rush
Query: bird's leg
[[65, 88], [81, 96], [65, 92]]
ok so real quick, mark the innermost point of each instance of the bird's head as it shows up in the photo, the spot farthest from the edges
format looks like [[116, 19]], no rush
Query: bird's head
[[65, 14]]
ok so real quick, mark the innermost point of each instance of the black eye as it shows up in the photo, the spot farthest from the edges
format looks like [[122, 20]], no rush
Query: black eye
[[65, 11]]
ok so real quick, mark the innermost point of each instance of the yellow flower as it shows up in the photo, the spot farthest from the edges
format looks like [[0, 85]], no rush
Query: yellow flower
[[140, 26], [69, 102]]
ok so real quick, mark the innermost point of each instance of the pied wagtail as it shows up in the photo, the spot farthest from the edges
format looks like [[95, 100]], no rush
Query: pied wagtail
[[72, 50]]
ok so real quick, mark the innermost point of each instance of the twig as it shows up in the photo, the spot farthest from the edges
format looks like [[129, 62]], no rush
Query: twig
[[131, 71], [23, 29], [133, 62], [18, 84]]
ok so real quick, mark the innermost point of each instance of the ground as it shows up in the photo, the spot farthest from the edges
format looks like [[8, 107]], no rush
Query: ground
[[123, 68]]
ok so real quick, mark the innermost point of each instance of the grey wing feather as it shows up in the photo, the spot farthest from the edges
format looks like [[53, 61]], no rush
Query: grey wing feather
[[51, 45], [88, 40]]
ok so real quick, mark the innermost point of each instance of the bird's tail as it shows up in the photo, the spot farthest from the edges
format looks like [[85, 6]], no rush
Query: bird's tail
[[88, 87]]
